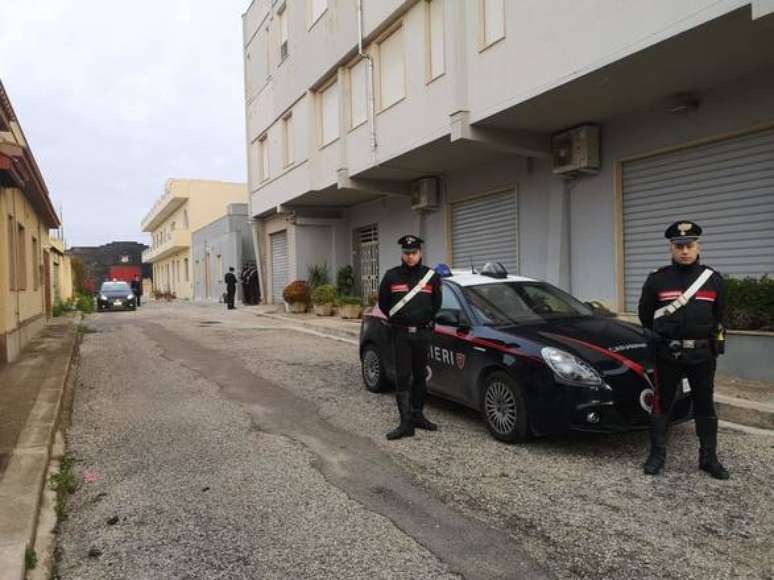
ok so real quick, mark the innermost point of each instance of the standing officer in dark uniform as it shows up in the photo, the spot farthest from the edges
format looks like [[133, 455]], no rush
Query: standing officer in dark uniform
[[410, 297], [231, 282], [136, 286], [683, 305], [245, 287]]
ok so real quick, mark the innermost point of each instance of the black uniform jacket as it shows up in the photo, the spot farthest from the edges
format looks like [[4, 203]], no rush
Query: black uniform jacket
[[698, 319], [231, 280], [136, 287], [422, 308]]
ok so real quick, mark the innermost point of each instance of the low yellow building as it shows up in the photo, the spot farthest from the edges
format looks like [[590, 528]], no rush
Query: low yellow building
[[186, 206], [61, 272], [26, 215]]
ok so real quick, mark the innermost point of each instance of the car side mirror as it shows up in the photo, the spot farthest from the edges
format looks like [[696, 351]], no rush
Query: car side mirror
[[451, 318]]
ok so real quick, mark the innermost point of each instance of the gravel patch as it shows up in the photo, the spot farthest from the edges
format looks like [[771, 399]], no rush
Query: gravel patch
[[579, 503], [180, 483]]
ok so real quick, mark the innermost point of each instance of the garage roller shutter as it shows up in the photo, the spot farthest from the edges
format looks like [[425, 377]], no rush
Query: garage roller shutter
[[486, 230], [279, 265], [727, 187]]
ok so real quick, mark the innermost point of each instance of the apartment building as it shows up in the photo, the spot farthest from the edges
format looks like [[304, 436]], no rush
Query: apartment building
[[26, 215], [559, 138], [187, 205]]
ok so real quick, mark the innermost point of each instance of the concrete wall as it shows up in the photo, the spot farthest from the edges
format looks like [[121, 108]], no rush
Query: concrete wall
[[22, 311]]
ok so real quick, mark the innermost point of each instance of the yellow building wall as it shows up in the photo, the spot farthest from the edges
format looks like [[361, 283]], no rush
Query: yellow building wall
[[169, 275], [22, 310]]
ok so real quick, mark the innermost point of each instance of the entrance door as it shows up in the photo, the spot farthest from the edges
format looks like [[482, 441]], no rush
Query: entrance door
[[366, 262], [280, 265]]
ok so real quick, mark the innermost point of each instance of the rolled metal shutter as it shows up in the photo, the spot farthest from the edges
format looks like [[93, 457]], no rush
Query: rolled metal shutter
[[279, 265], [727, 187], [486, 230]]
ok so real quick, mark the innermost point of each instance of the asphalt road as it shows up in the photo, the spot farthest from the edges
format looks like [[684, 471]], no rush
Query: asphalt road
[[230, 447]]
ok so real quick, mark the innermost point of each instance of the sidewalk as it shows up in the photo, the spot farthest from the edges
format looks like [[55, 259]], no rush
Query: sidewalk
[[30, 400], [746, 402]]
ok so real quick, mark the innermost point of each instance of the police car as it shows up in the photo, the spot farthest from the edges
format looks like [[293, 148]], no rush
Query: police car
[[531, 358]]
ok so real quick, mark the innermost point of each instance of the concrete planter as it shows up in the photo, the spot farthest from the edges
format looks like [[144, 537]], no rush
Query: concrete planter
[[323, 309], [350, 310], [296, 307], [748, 355]]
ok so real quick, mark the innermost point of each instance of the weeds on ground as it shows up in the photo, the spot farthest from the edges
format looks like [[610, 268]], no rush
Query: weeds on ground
[[30, 559], [64, 482], [83, 329]]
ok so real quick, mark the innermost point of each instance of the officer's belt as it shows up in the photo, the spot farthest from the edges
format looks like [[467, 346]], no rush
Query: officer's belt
[[683, 299], [689, 344]]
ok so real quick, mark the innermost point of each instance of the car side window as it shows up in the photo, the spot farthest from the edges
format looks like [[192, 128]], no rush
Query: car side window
[[449, 301]]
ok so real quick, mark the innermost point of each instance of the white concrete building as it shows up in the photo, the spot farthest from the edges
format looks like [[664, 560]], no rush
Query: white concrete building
[[466, 104]]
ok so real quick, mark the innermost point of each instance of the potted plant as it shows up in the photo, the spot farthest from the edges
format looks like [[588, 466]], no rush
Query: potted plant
[[345, 281], [296, 296], [319, 274], [323, 298], [350, 307]]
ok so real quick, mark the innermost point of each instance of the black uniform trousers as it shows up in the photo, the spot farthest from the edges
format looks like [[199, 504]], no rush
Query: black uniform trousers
[[701, 376], [410, 352], [230, 292]]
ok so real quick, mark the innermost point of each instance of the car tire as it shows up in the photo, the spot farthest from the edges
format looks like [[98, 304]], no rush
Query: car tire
[[504, 409], [373, 370]]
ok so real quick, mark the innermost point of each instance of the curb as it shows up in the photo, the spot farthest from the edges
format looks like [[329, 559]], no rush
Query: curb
[[353, 334], [22, 485], [744, 412]]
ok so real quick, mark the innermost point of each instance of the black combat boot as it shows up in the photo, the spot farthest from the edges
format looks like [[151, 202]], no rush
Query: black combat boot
[[417, 404], [406, 427], [707, 430], [658, 429]]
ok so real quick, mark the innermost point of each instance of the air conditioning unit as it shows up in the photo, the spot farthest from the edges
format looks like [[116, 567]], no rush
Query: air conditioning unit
[[424, 194], [576, 151]]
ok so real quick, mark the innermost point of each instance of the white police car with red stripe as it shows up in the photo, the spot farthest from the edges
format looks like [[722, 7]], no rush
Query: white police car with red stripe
[[531, 358]]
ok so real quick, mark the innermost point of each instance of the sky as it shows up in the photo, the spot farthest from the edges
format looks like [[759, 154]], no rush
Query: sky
[[117, 97]]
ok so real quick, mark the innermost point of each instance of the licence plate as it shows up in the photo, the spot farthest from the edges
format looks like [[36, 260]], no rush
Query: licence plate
[[116, 303], [686, 385]]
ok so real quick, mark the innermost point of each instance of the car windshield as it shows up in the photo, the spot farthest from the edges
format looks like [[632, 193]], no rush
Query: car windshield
[[522, 303], [115, 287]]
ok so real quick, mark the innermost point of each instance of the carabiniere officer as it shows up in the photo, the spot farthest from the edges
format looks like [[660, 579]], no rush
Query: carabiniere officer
[[410, 297], [683, 305]]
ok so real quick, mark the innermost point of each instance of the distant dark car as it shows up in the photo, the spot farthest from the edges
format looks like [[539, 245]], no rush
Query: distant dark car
[[530, 357], [116, 296]]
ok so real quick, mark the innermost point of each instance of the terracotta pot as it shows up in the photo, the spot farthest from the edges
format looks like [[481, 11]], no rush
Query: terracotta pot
[[350, 310], [323, 309], [296, 307]]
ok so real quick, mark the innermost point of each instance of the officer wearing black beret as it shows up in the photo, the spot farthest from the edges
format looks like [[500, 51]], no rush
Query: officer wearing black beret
[[410, 297], [683, 305]]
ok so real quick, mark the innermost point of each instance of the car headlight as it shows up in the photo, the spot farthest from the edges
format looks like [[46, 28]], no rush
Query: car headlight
[[102, 297], [569, 369], [130, 296]]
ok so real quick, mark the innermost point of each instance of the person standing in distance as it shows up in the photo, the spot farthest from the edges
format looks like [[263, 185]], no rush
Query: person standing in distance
[[410, 297], [231, 283], [136, 286], [683, 305]]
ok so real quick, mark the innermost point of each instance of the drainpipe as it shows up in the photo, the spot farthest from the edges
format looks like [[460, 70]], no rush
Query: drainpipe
[[370, 75]]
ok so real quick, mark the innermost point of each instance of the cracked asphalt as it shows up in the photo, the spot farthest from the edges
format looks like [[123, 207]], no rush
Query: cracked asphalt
[[223, 445]]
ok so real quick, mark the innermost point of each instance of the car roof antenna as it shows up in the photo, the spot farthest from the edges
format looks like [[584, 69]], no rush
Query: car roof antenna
[[472, 267]]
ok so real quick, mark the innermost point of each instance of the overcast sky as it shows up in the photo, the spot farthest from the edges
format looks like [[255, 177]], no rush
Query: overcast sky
[[116, 97]]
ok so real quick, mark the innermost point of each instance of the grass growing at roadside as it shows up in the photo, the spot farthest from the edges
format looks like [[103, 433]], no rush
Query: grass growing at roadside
[[30, 559], [83, 329], [64, 482]]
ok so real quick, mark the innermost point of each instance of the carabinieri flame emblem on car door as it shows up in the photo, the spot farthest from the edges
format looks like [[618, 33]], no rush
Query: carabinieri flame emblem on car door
[[460, 360]]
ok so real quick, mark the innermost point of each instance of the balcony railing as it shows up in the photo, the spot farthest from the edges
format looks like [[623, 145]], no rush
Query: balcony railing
[[172, 244], [164, 207]]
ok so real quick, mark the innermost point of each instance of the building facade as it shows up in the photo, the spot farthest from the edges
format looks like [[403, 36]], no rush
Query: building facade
[[186, 206], [61, 272], [557, 139], [225, 243], [26, 215]]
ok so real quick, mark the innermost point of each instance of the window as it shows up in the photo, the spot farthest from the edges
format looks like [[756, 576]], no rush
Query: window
[[358, 91], [185, 266], [263, 158], [185, 219], [35, 264], [11, 253], [287, 140], [316, 9], [436, 58], [492, 21], [172, 227], [392, 75], [329, 112], [21, 264], [219, 262], [283, 26], [179, 273]]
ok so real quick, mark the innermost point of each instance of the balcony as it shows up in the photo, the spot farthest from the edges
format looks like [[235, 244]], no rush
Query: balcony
[[175, 242], [164, 207]]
